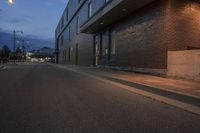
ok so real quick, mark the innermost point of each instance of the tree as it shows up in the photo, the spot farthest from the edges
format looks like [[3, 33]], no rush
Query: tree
[[19, 53], [1, 53], [5, 51]]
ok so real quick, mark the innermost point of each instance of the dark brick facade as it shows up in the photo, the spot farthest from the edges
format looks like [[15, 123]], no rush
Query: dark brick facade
[[142, 38]]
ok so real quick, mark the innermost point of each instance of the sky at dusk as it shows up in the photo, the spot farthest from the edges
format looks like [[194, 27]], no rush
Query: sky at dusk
[[36, 18]]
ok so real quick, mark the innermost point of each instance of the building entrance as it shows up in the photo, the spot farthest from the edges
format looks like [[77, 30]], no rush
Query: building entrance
[[97, 51]]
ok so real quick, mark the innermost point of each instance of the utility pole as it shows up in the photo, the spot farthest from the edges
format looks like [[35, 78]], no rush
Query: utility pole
[[14, 43]]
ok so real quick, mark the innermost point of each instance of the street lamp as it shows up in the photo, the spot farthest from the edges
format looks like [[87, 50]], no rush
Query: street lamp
[[11, 1]]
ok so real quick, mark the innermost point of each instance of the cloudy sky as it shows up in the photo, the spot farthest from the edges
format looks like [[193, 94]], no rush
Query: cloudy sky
[[36, 18]]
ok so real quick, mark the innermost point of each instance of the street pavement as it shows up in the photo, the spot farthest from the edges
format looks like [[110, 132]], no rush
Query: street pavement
[[1, 66], [42, 98]]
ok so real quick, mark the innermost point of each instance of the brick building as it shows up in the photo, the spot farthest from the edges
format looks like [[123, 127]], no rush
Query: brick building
[[134, 34]]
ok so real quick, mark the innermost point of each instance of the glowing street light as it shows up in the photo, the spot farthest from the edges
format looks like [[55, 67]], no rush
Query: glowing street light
[[11, 1]]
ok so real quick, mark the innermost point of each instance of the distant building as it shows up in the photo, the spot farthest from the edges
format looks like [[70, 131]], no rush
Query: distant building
[[135, 34], [44, 54], [46, 51]]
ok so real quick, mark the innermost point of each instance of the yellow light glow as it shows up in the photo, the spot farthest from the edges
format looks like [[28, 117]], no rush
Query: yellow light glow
[[11, 1]]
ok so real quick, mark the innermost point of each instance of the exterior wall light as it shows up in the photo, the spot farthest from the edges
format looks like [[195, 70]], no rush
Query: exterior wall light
[[124, 9]]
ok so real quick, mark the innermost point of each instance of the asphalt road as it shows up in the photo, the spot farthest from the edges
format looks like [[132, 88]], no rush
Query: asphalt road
[[47, 99]]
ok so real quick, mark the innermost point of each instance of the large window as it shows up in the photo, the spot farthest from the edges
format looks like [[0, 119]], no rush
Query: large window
[[62, 22], [69, 33], [113, 43], [62, 41], [63, 55], [60, 26], [77, 25], [90, 9], [66, 14], [57, 31], [69, 54]]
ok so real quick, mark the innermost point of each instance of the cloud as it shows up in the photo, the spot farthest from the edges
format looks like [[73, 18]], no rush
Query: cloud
[[20, 19], [52, 2], [62, 1], [36, 42], [15, 20]]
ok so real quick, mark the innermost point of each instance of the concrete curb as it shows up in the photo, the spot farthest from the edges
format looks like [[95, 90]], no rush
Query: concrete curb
[[2, 66], [184, 102], [160, 88], [159, 91], [133, 82], [180, 100]]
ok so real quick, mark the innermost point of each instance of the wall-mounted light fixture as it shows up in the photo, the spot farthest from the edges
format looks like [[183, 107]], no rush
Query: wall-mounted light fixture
[[124, 10]]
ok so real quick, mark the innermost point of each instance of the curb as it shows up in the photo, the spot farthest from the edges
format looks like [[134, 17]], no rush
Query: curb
[[176, 99], [185, 98], [181, 101], [2, 66]]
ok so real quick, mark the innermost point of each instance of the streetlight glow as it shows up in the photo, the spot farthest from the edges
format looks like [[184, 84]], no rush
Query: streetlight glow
[[10, 1]]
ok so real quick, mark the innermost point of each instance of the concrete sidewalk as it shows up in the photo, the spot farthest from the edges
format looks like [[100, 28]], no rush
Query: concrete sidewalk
[[181, 86], [177, 92]]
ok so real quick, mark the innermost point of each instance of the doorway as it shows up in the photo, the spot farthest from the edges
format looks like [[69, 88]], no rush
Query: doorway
[[77, 54], [96, 50]]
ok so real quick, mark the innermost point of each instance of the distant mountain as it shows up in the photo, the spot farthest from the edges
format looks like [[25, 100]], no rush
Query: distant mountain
[[43, 52], [6, 38], [46, 51]]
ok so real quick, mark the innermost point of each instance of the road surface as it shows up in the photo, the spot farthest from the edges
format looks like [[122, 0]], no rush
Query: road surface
[[42, 98]]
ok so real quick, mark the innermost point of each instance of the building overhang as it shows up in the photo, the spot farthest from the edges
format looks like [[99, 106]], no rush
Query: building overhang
[[111, 13]]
